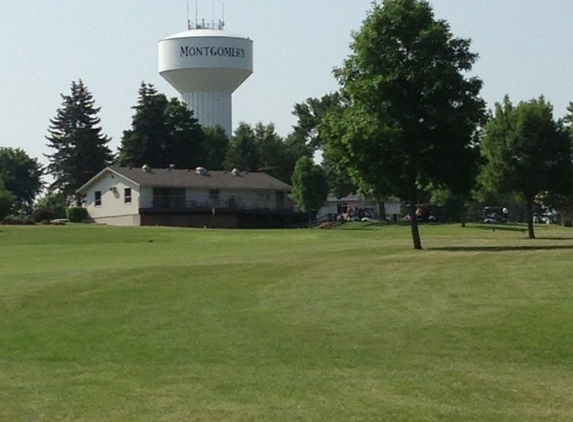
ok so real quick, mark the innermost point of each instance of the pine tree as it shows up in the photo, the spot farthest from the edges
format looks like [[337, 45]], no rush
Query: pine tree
[[81, 149], [163, 133]]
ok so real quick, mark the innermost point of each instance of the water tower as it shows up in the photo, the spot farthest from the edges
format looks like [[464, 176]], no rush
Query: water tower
[[206, 65]]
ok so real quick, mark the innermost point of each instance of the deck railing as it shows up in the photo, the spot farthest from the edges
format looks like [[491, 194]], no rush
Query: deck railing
[[180, 203]]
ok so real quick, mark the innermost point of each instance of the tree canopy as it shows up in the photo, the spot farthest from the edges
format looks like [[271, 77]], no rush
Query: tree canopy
[[309, 185], [216, 146], [526, 151], [243, 152], [163, 133], [412, 108], [21, 175], [310, 114], [260, 148], [81, 149], [6, 201]]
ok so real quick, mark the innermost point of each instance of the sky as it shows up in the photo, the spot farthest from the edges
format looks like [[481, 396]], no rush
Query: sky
[[525, 49]]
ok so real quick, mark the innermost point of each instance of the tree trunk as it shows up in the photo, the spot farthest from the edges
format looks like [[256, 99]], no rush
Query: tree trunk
[[381, 211], [414, 219], [529, 211], [464, 214]]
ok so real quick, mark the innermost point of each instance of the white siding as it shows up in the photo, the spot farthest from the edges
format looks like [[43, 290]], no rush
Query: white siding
[[112, 188]]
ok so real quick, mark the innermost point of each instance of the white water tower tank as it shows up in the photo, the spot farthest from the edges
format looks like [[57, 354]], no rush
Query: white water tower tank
[[206, 66]]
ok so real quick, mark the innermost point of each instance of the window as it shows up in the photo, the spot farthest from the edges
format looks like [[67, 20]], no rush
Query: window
[[127, 196], [97, 198], [169, 198], [214, 196]]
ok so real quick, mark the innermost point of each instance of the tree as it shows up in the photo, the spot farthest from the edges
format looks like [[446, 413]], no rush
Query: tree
[[80, 148], [243, 152], [294, 148], [467, 187], [526, 151], [6, 201], [21, 175], [277, 159], [339, 182], [163, 133], [412, 110], [310, 114], [309, 186], [260, 148], [55, 203], [216, 147]]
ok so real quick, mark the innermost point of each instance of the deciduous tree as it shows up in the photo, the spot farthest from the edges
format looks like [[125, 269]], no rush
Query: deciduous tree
[[309, 186], [412, 107], [526, 151], [7, 200], [310, 114], [260, 148], [21, 175]]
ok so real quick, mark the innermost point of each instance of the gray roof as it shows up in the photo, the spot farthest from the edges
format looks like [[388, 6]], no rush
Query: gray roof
[[177, 178]]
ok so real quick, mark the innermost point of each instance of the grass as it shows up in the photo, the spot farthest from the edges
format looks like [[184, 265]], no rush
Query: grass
[[164, 324]]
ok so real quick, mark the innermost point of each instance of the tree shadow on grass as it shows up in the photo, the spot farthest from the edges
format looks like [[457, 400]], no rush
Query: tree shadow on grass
[[502, 248], [503, 227]]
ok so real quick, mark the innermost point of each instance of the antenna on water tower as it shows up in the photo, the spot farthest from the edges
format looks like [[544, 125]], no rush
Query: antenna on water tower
[[196, 15], [222, 23], [206, 67]]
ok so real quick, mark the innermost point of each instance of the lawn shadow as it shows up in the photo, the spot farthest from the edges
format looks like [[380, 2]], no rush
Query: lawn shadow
[[502, 248], [503, 227]]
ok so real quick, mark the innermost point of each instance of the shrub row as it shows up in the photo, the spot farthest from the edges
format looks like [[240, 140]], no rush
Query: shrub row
[[46, 215]]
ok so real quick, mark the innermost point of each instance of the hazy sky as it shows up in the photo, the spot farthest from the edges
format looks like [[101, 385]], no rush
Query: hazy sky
[[525, 47]]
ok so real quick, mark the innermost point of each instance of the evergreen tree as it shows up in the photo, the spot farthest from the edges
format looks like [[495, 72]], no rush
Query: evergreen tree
[[163, 133], [80, 148]]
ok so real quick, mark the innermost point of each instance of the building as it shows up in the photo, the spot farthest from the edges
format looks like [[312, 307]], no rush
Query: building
[[190, 198], [357, 206], [206, 65]]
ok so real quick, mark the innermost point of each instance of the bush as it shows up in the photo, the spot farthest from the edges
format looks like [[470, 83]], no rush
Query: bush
[[567, 223], [77, 214], [41, 214], [19, 220]]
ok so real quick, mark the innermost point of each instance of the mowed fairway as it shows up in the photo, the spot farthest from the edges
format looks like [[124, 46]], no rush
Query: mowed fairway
[[172, 324]]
